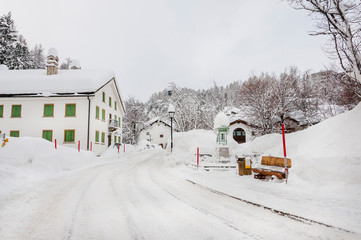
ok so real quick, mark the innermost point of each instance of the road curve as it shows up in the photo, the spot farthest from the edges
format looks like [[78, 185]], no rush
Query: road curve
[[140, 199]]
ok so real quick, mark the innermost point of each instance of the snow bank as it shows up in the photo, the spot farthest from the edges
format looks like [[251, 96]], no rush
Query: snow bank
[[328, 152], [26, 160]]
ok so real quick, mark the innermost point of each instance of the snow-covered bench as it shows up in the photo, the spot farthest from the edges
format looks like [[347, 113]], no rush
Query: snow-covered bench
[[275, 163]]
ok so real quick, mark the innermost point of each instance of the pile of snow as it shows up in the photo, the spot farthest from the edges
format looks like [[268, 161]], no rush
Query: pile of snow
[[221, 121], [27, 160], [328, 152], [185, 145], [52, 52]]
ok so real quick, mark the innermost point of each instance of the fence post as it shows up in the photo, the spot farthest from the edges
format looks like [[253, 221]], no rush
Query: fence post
[[284, 151], [197, 157]]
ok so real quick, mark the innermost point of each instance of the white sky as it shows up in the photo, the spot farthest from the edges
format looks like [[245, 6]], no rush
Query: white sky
[[149, 43]]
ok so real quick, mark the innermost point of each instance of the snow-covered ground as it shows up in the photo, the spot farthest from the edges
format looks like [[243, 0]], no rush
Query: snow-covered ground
[[149, 193], [324, 182]]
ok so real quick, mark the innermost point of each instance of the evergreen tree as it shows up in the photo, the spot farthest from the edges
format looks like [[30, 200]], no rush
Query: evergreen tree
[[37, 54], [14, 51], [8, 39]]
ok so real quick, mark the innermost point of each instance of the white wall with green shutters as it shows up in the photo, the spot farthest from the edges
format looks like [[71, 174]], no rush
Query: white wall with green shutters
[[32, 121]]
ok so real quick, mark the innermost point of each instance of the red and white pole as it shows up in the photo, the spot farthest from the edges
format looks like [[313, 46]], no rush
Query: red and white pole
[[55, 144], [79, 146], [284, 151], [197, 157]]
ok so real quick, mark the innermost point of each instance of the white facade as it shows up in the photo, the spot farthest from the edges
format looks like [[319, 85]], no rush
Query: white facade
[[85, 124], [239, 124], [159, 133]]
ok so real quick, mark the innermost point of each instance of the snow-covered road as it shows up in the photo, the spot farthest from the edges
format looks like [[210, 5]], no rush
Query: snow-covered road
[[140, 198]]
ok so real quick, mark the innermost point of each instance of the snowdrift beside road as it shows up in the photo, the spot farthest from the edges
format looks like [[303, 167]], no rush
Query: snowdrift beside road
[[25, 160], [328, 152]]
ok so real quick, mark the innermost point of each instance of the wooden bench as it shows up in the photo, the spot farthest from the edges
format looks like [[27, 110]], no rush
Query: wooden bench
[[266, 173]]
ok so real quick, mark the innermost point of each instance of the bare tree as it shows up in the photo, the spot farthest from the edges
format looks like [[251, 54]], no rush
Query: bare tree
[[341, 20]]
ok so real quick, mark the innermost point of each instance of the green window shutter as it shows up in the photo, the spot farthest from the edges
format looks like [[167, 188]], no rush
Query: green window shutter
[[103, 114], [115, 139], [16, 111], [96, 136], [14, 133], [103, 137], [110, 101], [70, 110], [1, 111], [69, 136], [48, 110], [115, 105], [115, 117], [118, 139], [103, 96], [97, 113], [48, 135], [119, 121]]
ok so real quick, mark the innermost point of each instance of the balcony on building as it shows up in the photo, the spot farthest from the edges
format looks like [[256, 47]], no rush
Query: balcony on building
[[113, 125]]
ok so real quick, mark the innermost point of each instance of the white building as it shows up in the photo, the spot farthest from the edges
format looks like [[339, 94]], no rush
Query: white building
[[157, 131], [67, 105], [241, 129]]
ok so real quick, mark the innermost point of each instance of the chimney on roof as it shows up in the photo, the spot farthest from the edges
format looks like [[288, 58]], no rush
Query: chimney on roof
[[52, 62]]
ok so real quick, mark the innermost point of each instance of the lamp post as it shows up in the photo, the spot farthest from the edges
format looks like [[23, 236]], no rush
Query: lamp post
[[171, 112]]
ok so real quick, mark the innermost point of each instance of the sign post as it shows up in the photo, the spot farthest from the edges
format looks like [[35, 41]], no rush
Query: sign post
[[284, 151]]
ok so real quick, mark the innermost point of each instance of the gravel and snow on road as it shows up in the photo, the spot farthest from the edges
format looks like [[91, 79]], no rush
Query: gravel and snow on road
[[152, 194]]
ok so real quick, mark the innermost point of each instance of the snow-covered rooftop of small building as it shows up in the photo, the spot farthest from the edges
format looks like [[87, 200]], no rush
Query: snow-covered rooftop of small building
[[52, 52], [221, 120], [66, 81], [75, 64]]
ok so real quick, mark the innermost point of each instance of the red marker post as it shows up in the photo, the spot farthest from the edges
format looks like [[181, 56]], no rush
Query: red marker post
[[79, 146], [197, 157], [91, 146], [55, 144], [118, 149], [284, 151], [124, 148]]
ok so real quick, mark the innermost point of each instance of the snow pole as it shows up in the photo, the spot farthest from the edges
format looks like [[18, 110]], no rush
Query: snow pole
[[124, 148], [79, 146], [118, 149], [284, 151], [55, 144], [91, 146], [197, 157]]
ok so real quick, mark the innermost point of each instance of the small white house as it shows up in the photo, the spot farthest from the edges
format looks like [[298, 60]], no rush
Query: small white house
[[69, 106], [240, 128], [157, 131]]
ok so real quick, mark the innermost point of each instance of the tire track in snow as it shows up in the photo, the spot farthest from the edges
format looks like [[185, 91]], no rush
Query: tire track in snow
[[278, 212]]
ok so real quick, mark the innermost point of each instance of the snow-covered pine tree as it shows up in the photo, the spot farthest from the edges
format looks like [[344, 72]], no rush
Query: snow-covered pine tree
[[8, 39], [14, 51], [38, 56]]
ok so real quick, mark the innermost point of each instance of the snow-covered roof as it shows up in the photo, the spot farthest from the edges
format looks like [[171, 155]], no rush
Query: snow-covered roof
[[52, 52], [75, 64], [66, 81], [221, 120]]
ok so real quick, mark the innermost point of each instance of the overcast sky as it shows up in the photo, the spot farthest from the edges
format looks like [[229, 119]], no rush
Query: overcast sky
[[149, 43]]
